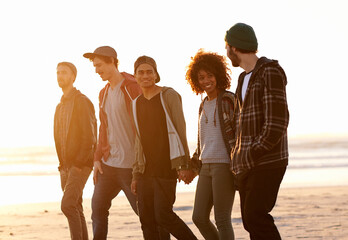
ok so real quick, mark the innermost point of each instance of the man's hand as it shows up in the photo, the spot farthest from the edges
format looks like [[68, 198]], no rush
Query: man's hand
[[97, 169], [186, 175], [134, 187]]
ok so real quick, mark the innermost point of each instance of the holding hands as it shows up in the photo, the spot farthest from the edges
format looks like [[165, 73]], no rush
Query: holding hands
[[186, 175]]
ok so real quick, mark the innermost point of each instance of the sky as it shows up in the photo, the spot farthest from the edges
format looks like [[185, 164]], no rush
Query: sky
[[308, 38]]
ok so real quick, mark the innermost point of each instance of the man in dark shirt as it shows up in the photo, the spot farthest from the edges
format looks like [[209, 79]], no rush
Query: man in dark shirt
[[154, 137], [161, 140], [75, 138]]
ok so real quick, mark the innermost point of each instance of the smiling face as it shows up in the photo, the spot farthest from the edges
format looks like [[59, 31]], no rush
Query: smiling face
[[207, 82], [145, 75], [65, 77], [105, 70]]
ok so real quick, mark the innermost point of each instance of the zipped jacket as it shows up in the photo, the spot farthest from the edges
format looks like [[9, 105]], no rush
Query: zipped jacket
[[261, 120], [178, 147], [81, 136], [131, 90]]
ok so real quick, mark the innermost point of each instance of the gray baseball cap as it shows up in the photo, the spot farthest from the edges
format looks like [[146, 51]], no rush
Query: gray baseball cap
[[105, 51]]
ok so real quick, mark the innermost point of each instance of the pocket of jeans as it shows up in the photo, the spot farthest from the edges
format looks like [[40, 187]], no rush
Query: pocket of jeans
[[85, 172], [80, 175]]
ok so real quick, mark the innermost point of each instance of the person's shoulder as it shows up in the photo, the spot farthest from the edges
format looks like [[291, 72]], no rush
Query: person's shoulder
[[58, 106], [128, 79], [265, 63], [80, 95], [170, 95], [269, 69], [227, 95], [81, 98], [169, 91], [130, 83]]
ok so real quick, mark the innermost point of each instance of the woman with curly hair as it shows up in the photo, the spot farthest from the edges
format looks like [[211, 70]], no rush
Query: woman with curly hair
[[208, 73]]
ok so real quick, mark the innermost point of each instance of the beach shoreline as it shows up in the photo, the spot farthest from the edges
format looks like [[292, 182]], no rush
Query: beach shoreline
[[308, 212]]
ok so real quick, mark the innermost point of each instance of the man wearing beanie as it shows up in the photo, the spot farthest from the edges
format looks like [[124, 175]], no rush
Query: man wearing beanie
[[260, 156], [161, 152], [75, 136]]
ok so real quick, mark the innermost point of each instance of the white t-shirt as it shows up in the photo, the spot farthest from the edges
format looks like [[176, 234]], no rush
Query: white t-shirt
[[245, 84], [120, 132]]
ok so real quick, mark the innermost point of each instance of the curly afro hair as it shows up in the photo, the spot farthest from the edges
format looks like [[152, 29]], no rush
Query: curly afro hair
[[209, 62]]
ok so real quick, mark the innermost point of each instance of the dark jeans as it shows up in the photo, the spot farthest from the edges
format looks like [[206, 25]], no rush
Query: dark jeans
[[258, 194], [73, 182], [156, 197], [215, 188], [109, 184]]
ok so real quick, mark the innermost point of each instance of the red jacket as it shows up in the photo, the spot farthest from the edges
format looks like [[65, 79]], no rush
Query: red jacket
[[130, 90]]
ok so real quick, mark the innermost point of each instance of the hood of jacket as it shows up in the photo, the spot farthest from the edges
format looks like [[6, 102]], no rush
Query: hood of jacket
[[263, 63]]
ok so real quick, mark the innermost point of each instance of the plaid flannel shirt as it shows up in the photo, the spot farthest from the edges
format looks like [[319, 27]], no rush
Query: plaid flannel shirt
[[261, 120]]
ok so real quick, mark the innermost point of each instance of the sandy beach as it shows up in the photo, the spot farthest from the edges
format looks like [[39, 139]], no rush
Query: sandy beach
[[300, 213]]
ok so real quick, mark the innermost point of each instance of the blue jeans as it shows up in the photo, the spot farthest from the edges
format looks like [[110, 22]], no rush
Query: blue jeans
[[215, 187], [156, 197], [109, 184], [73, 182]]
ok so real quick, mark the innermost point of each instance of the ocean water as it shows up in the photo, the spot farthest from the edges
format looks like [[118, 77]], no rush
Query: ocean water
[[30, 175]]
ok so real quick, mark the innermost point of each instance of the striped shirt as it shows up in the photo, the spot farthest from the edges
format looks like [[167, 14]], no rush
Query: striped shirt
[[224, 114], [212, 144]]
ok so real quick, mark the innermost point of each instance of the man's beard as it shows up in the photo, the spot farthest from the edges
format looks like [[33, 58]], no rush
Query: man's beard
[[62, 84], [234, 59]]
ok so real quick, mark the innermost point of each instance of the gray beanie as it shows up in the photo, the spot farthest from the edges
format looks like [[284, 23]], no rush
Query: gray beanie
[[242, 36], [69, 65]]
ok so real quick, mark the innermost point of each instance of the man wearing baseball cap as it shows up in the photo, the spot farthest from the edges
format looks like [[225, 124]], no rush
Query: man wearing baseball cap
[[260, 156], [114, 156], [161, 153]]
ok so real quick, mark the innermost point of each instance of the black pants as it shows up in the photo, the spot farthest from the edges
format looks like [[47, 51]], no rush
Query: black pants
[[156, 197], [258, 194]]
